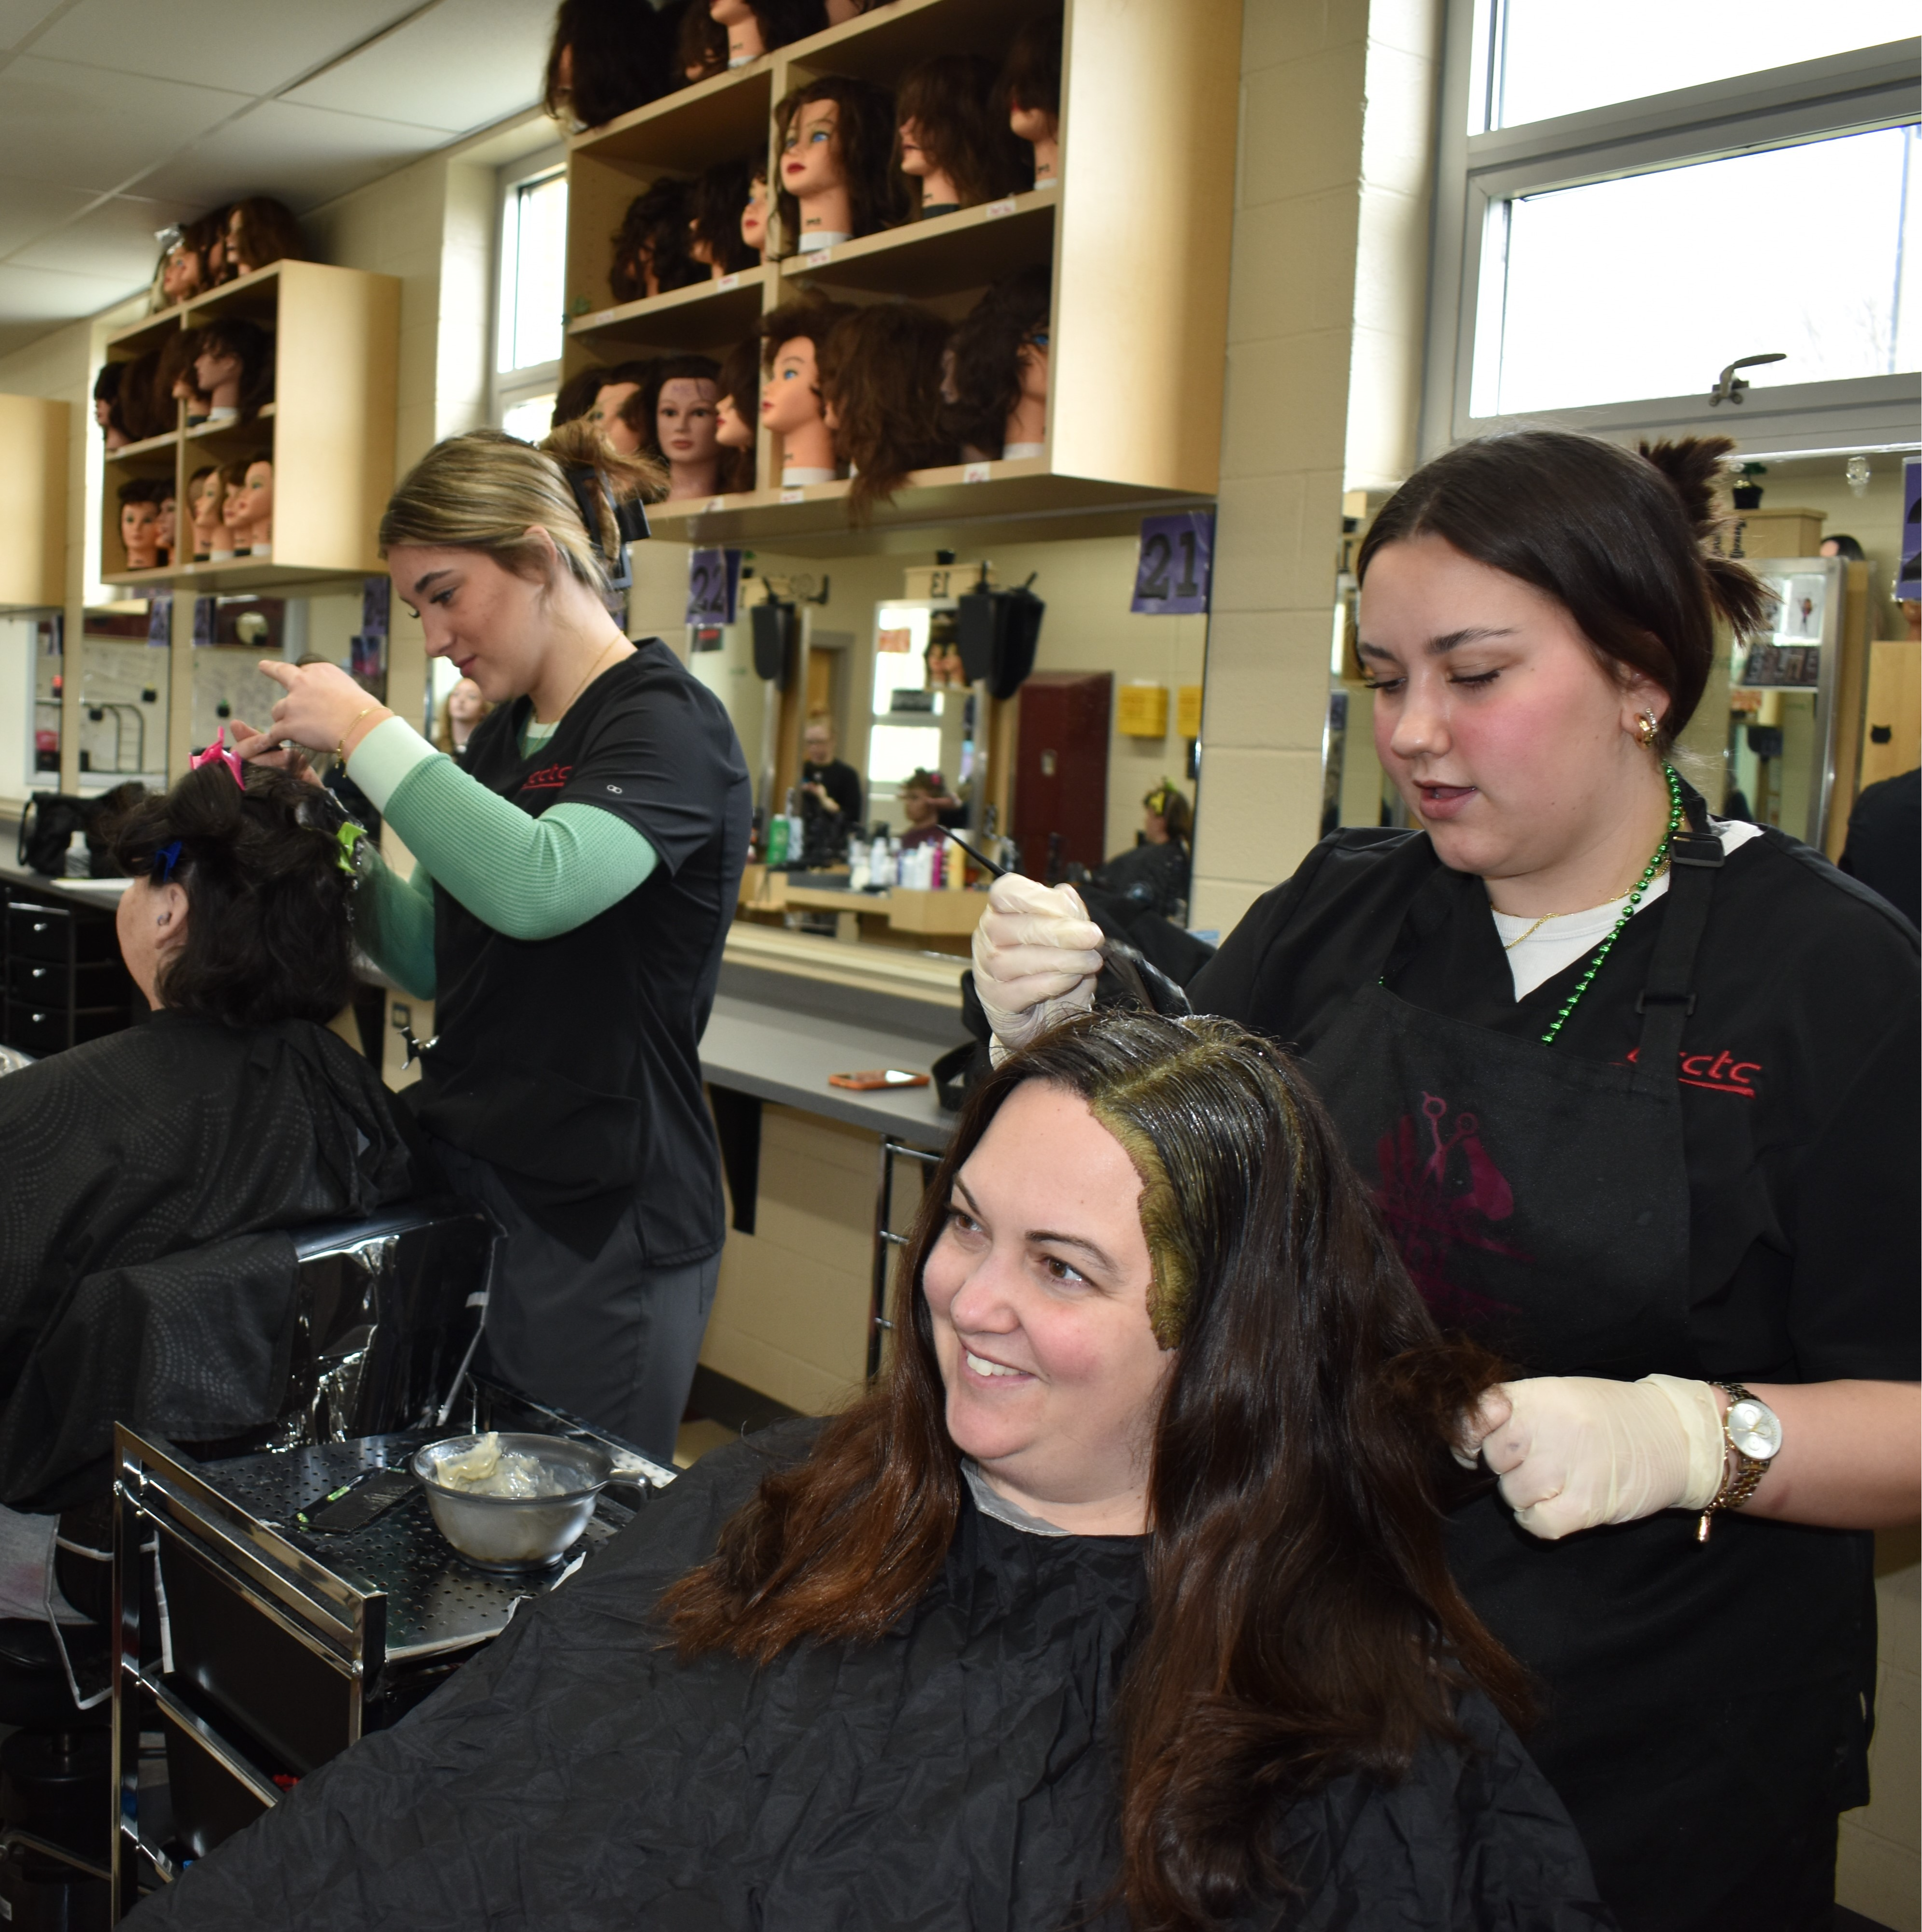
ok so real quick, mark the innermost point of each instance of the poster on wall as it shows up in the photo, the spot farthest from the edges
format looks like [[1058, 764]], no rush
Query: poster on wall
[[1908, 579]]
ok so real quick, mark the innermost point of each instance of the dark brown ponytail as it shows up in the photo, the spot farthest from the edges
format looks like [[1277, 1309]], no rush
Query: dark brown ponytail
[[1620, 539]]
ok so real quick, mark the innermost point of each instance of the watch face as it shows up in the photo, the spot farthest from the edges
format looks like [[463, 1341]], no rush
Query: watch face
[[1754, 1429]]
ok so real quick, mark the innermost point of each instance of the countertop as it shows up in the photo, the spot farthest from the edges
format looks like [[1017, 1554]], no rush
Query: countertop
[[781, 1054]]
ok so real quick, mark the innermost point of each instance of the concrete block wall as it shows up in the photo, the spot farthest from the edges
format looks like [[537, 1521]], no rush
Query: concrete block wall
[[1326, 297]]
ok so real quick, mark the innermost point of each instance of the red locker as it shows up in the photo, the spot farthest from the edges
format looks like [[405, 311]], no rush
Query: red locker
[[1061, 767]]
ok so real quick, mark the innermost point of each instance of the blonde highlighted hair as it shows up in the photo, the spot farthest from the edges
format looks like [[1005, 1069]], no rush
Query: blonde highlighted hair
[[487, 491]]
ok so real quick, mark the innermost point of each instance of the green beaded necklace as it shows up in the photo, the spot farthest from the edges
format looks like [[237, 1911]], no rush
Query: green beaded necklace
[[1635, 897]]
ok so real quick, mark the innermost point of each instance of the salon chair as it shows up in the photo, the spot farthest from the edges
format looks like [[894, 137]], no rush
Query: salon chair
[[387, 1312]]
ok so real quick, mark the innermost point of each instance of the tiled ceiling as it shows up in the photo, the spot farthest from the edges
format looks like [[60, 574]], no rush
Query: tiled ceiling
[[122, 116]]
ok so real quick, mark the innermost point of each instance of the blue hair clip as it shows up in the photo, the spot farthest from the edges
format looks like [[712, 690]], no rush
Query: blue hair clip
[[166, 857]]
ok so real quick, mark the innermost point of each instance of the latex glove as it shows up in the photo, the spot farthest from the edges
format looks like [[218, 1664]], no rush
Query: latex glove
[[1036, 958], [1574, 1452]]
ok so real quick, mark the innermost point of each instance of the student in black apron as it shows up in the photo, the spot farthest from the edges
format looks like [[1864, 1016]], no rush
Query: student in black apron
[[1636, 1091], [574, 876]]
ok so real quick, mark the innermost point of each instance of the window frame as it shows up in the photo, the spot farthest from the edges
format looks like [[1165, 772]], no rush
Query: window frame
[[507, 388], [1856, 92]]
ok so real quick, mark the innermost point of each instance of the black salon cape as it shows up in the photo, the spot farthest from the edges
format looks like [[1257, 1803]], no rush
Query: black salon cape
[[958, 1773], [146, 1182]]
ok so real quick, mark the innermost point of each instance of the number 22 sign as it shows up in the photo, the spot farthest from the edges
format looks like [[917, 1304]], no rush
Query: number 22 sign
[[1177, 556], [713, 586]]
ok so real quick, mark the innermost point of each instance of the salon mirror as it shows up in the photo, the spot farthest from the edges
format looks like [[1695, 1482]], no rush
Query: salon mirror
[[122, 669], [30, 673]]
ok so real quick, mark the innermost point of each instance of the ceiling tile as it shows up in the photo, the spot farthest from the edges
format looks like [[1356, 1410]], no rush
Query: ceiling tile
[[86, 127], [19, 18], [305, 155], [253, 49], [466, 63], [27, 209], [45, 295], [115, 240]]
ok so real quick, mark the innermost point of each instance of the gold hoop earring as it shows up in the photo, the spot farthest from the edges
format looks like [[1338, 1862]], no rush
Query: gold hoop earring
[[1646, 729]]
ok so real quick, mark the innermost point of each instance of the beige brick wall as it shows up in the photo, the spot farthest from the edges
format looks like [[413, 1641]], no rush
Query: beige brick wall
[[1879, 1870]]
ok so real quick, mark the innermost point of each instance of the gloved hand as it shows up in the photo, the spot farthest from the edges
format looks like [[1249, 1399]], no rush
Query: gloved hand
[[1036, 959], [1574, 1452]]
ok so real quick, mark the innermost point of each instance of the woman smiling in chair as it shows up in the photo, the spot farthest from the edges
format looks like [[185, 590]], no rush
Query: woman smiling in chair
[[1121, 1601]]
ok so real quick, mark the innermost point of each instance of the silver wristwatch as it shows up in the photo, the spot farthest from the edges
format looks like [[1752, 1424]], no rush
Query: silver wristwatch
[[1753, 1431]]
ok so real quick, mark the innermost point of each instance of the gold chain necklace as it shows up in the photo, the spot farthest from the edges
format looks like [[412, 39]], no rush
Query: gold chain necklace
[[1647, 881], [592, 669]]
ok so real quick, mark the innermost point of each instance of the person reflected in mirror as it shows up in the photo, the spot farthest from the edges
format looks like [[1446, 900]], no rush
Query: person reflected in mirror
[[461, 709], [830, 789], [924, 798], [1154, 871]]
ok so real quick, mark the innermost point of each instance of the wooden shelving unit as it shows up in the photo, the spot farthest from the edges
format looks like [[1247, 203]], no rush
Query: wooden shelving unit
[[329, 428], [33, 502], [1136, 233]]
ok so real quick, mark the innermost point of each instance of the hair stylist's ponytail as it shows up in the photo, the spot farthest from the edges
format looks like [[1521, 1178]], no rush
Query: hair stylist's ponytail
[[486, 491]]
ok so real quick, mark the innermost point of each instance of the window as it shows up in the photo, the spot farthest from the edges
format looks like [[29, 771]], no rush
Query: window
[[529, 321], [1604, 249]]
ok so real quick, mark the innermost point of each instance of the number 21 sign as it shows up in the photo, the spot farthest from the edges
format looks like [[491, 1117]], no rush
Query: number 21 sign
[[1177, 558]]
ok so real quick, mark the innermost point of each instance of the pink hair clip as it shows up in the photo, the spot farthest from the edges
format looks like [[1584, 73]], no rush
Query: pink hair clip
[[217, 749]]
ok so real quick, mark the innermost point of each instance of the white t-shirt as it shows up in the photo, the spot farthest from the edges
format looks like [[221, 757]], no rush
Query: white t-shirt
[[1572, 936]]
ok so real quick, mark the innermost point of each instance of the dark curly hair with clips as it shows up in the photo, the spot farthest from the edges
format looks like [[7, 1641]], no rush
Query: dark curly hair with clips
[[268, 934], [1618, 538], [984, 377]]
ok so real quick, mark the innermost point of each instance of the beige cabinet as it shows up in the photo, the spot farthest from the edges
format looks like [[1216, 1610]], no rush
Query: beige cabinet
[[34, 433]]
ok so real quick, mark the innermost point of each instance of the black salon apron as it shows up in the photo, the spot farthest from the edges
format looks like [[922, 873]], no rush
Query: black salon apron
[[1701, 1703]]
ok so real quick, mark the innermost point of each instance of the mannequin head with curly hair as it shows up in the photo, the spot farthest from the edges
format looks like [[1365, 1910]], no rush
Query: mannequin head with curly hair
[[999, 365]]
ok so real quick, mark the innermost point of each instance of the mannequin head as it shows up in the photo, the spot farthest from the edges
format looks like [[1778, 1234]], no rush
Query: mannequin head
[[1030, 92], [701, 44], [606, 58], [753, 212], [792, 336], [235, 533], [139, 524], [682, 419], [203, 509], [619, 386], [142, 413], [650, 251], [716, 234], [261, 231], [258, 494], [753, 27], [736, 414], [951, 136], [880, 377], [235, 364], [576, 396], [219, 268], [107, 404], [837, 141], [182, 273], [170, 523], [999, 372], [173, 382]]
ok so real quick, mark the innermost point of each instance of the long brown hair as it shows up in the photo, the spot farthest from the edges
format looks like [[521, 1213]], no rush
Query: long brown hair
[[1301, 1620], [880, 370], [1619, 538], [863, 140], [950, 100]]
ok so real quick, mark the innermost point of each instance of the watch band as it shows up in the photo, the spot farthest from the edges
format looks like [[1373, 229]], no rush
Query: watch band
[[1738, 1484]]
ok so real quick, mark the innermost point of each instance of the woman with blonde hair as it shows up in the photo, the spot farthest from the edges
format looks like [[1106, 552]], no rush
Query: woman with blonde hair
[[461, 711], [574, 874]]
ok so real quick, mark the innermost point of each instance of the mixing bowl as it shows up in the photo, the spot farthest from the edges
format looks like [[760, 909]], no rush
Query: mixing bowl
[[509, 1533]]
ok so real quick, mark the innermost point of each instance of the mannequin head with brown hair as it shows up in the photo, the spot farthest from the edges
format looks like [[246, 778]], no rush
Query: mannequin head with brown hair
[[235, 364], [836, 140], [610, 414], [701, 44], [998, 374], [184, 272], [259, 231], [576, 396], [203, 506], [756, 27], [737, 414], [173, 380], [1030, 92], [606, 58], [143, 411], [950, 135], [107, 404], [753, 218], [880, 370], [792, 336], [679, 413], [140, 522], [714, 225], [650, 248], [235, 536]]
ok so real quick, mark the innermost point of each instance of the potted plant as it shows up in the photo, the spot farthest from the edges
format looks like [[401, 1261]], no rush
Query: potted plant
[[1748, 485]]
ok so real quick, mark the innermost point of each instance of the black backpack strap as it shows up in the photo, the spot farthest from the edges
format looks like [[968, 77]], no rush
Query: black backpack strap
[[1695, 858]]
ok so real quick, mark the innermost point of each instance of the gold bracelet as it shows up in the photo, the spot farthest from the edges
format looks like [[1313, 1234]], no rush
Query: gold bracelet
[[341, 747]]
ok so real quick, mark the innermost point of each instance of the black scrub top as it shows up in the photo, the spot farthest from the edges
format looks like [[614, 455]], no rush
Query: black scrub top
[[571, 1065], [1704, 1703]]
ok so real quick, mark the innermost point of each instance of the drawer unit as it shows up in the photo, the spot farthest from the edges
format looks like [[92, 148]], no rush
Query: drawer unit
[[61, 970]]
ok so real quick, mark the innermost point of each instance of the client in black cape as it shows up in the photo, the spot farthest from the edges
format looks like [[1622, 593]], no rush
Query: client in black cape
[[152, 1175], [1119, 1602]]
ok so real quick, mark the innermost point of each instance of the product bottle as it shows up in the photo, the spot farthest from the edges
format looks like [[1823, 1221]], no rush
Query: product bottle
[[777, 839], [75, 864], [856, 865]]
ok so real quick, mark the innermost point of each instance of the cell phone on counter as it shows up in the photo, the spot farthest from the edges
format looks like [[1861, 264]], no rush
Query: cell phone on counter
[[876, 1078], [354, 1505]]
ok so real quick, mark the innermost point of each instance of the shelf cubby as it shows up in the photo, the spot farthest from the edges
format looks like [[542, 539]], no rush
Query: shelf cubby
[[951, 254], [329, 428], [704, 315]]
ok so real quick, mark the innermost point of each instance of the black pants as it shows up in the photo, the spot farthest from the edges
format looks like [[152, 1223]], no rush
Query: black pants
[[611, 1339]]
